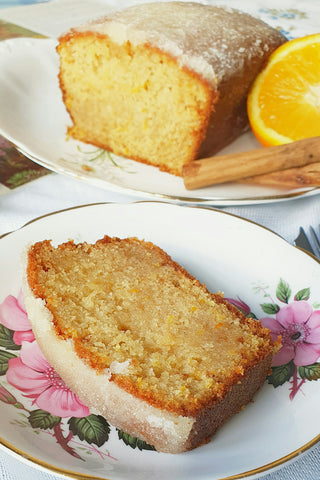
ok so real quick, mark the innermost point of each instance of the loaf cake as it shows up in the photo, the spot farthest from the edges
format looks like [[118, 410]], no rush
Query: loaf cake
[[141, 341], [163, 83]]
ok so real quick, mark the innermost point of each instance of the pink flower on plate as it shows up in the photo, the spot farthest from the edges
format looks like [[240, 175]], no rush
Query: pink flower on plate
[[32, 374], [240, 304], [4, 144], [6, 396], [13, 315], [299, 326]]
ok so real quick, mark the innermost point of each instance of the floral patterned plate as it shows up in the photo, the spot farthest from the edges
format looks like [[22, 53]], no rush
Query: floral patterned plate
[[33, 117], [42, 421]]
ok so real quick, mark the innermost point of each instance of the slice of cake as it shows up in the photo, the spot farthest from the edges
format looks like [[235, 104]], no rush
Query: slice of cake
[[163, 83], [141, 341]]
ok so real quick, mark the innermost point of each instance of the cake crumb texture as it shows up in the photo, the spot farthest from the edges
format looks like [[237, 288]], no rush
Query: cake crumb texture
[[163, 83], [128, 307]]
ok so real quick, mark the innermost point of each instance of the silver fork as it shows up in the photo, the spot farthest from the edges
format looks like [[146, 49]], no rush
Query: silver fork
[[316, 240], [309, 242]]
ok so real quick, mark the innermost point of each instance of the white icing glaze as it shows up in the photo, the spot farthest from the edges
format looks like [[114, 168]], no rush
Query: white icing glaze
[[120, 367], [165, 424], [212, 41], [167, 432]]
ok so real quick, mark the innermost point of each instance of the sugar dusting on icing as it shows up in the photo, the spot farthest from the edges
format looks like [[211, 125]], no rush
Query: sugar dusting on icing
[[119, 367], [212, 41]]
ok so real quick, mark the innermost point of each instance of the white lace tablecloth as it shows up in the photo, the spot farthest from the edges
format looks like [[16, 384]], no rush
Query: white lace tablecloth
[[55, 192]]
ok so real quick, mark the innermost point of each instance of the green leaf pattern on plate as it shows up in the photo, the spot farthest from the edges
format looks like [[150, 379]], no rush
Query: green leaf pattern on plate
[[93, 431]]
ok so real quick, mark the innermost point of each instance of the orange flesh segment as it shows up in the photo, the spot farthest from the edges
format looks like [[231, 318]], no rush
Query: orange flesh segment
[[285, 99]]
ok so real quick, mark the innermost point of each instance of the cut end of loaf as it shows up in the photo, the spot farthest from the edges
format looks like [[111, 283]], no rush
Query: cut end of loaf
[[133, 100], [163, 83]]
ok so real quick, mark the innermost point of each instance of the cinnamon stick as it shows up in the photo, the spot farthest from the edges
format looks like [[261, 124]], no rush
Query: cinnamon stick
[[308, 176], [233, 167]]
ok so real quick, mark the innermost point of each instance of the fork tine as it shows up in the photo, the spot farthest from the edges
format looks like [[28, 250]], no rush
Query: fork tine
[[316, 239]]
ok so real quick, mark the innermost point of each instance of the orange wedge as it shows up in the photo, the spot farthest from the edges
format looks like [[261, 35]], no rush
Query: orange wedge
[[284, 101]]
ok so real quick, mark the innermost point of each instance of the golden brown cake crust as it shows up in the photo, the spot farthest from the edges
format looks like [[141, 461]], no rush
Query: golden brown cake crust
[[209, 420], [202, 137], [220, 54], [39, 259]]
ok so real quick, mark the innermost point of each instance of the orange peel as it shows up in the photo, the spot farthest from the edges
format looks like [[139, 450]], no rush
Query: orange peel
[[284, 100]]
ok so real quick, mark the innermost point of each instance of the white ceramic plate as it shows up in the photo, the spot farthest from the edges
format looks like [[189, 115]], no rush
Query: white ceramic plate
[[34, 118], [250, 264]]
